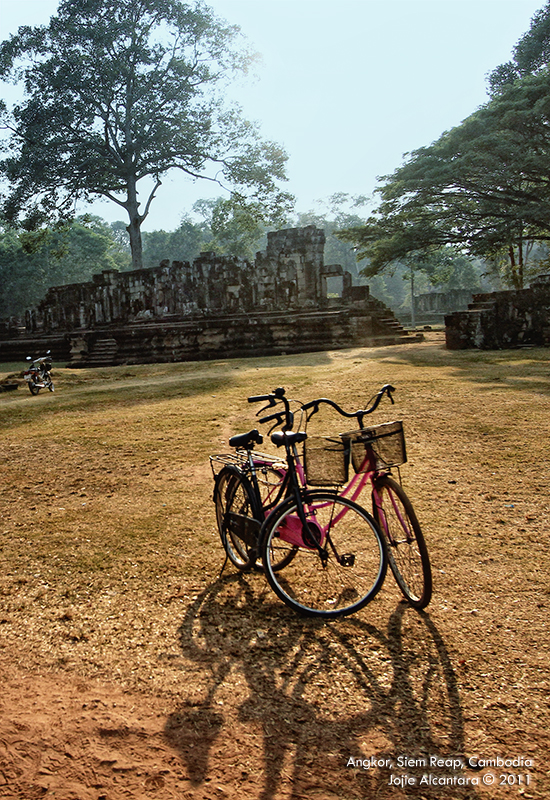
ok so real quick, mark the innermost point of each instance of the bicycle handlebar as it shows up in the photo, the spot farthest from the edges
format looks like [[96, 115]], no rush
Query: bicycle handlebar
[[262, 398], [277, 396], [359, 414], [286, 417], [279, 417], [270, 398]]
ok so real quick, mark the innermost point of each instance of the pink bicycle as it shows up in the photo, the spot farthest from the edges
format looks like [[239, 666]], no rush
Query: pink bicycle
[[323, 554], [371, 453]]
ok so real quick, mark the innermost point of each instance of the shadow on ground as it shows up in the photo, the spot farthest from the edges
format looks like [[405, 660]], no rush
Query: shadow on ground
[[310, 698], [526, 368]]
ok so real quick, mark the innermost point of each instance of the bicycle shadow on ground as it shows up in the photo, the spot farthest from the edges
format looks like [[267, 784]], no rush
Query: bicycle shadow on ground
[[301, 700]]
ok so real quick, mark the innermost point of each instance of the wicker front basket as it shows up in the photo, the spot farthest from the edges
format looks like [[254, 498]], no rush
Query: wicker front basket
[[379, 447], [326, 460]]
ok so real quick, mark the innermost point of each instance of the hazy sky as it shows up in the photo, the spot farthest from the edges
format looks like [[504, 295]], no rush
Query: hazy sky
[[346, 86]]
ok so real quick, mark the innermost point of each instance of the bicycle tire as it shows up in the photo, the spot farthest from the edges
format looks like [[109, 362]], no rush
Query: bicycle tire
[[355, 565], [406, 547], [237, 516]]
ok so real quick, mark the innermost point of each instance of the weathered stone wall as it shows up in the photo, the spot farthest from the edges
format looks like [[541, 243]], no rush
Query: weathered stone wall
[[290, 274], [442, 302], [503, 319], [215, 307], [268, 333]]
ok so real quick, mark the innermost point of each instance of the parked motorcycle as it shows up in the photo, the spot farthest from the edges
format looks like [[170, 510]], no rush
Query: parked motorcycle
[[38, 375]]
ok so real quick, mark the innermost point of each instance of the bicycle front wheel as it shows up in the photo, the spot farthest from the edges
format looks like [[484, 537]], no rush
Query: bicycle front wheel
[[338, 563], [407, 551], [237, 516]]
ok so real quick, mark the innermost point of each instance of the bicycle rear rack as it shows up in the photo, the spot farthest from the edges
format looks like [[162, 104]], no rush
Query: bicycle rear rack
[[239, 459]]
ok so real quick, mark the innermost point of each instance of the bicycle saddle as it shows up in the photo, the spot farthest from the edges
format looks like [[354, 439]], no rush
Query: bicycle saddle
[[289, 437], [246, 440]]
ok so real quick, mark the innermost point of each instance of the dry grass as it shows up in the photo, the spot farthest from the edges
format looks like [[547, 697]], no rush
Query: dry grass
[[109, 587]]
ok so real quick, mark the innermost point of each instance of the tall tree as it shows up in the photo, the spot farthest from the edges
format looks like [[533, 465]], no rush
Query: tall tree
[[118, 93], [483, 186]]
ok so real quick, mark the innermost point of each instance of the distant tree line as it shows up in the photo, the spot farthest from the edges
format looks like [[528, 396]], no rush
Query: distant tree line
[[32, 261]]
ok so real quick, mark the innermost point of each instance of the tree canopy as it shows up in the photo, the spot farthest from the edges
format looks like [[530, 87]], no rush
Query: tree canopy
[[483, 186], [531, 53], [117, 94]]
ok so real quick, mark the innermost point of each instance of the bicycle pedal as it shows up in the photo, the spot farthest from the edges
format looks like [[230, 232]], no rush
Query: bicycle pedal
[[347, 560]]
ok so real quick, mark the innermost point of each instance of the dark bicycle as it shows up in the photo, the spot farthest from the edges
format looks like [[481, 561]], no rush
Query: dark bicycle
[[322, 553]]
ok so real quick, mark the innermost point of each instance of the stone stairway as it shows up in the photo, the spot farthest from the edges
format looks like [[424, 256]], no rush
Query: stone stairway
[[102, 353], [386, 324]]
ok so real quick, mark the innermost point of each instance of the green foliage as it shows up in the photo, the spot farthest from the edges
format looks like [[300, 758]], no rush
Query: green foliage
[[31, 262], [118, 93], [183, 244], [238, 227], [483, 187], [231, 228], [445, 268], [531, 54]]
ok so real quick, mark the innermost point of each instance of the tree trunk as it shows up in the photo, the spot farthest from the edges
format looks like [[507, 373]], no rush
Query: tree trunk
[[520, 273], [413, 314], [134, 231], [513, 267], [134, 228]]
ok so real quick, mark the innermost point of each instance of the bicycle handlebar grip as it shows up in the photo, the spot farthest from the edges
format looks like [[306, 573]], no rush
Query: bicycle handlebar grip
[[278, 417], [260, 398], [389, 390]]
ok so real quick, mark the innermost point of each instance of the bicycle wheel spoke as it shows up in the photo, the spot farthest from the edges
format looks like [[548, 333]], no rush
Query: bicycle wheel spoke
[[319, 580], [407, 551]]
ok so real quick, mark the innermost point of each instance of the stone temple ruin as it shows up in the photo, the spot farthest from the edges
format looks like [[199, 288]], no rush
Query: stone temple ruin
[[216, 307], [505, 319]]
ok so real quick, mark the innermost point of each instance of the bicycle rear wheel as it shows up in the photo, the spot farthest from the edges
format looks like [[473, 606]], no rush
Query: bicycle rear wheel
[[237, 516], [407, 551], [338, 563]]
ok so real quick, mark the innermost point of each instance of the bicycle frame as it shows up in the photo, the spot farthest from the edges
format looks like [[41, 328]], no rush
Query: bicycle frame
[[289, 522], [301, 529], [275, 494], [293, 483], [293, 530]]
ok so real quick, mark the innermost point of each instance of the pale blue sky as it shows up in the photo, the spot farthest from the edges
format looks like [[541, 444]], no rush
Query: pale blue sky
[[346, 86]]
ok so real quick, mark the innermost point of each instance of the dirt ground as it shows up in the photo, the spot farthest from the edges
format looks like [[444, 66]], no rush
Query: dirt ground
[[133, 667]]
